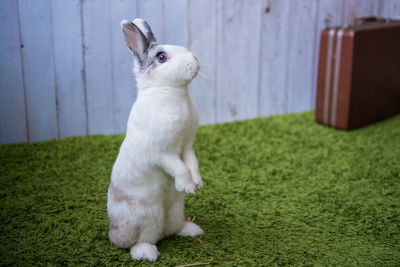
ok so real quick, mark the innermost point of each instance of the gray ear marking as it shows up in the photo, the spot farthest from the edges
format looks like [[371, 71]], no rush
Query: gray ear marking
[[135, 39], [145, 29]]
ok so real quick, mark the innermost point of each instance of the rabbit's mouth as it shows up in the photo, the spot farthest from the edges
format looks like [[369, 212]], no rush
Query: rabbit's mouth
[[192, 70], [192, 67]]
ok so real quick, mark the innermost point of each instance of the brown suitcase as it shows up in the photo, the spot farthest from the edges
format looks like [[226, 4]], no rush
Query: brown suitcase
[[358, 74]]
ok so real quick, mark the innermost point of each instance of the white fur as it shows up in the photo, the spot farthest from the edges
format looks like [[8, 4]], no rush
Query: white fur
[[140, 24], [190, 229], [156, 164], [145, 251]]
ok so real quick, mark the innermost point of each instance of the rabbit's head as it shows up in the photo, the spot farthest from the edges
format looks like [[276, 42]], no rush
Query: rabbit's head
[[157, 65]]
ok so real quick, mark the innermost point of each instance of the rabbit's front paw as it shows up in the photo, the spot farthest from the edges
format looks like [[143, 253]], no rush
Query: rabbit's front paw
[[185, 185], [198, 182]]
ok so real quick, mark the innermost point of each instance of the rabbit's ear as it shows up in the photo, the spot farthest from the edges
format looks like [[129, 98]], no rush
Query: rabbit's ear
[[145, 29], [135, 39]]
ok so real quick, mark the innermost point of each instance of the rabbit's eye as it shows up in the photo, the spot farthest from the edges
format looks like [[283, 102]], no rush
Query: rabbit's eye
[[161, 57]]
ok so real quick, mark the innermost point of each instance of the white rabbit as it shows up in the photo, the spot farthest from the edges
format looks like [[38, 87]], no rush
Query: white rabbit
[[156, 164]]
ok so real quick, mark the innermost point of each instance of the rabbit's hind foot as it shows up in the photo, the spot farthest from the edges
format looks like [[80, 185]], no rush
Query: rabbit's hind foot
[[144, 251], [190, 228]]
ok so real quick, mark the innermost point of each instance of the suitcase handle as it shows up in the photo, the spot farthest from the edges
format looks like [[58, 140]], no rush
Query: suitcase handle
[[364, 20]]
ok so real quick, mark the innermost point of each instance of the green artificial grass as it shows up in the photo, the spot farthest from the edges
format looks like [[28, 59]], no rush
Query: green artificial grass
[[277, 191]]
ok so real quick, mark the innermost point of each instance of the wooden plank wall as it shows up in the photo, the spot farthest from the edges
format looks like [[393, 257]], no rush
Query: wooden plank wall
[[66, 71]]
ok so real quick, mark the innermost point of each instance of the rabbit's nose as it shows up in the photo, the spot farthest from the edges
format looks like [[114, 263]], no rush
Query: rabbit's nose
[[195, 58]]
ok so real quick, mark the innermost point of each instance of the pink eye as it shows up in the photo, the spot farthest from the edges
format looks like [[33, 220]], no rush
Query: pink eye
[[161, 57]]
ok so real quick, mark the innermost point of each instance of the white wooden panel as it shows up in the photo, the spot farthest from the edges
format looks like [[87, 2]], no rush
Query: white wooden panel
[[257, 57], [202, 42], [38, 67], [360, 8], [390, 9], [175, 22], [123, 80], [330, 14], [238, 59], [274, 47], [68, 62], [12, 98], [301, 55], [97, 58], [153, 12]]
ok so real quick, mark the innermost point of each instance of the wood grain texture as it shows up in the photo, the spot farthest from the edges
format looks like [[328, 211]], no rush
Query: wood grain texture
[[300, 64], [12, 96], [153, 12], [69, 69], [274, 47], [123, 80], [360, 8], [389, 9], [97, 58], [175, 22], [238, 47], [73, 75], [202, 42], [38, 67]]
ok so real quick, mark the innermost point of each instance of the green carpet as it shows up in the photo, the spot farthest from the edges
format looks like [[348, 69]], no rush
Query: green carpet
[[277, 191]]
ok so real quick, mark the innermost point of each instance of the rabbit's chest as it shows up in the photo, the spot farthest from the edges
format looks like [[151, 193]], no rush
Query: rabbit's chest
[[175, 121], [167, 123]]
